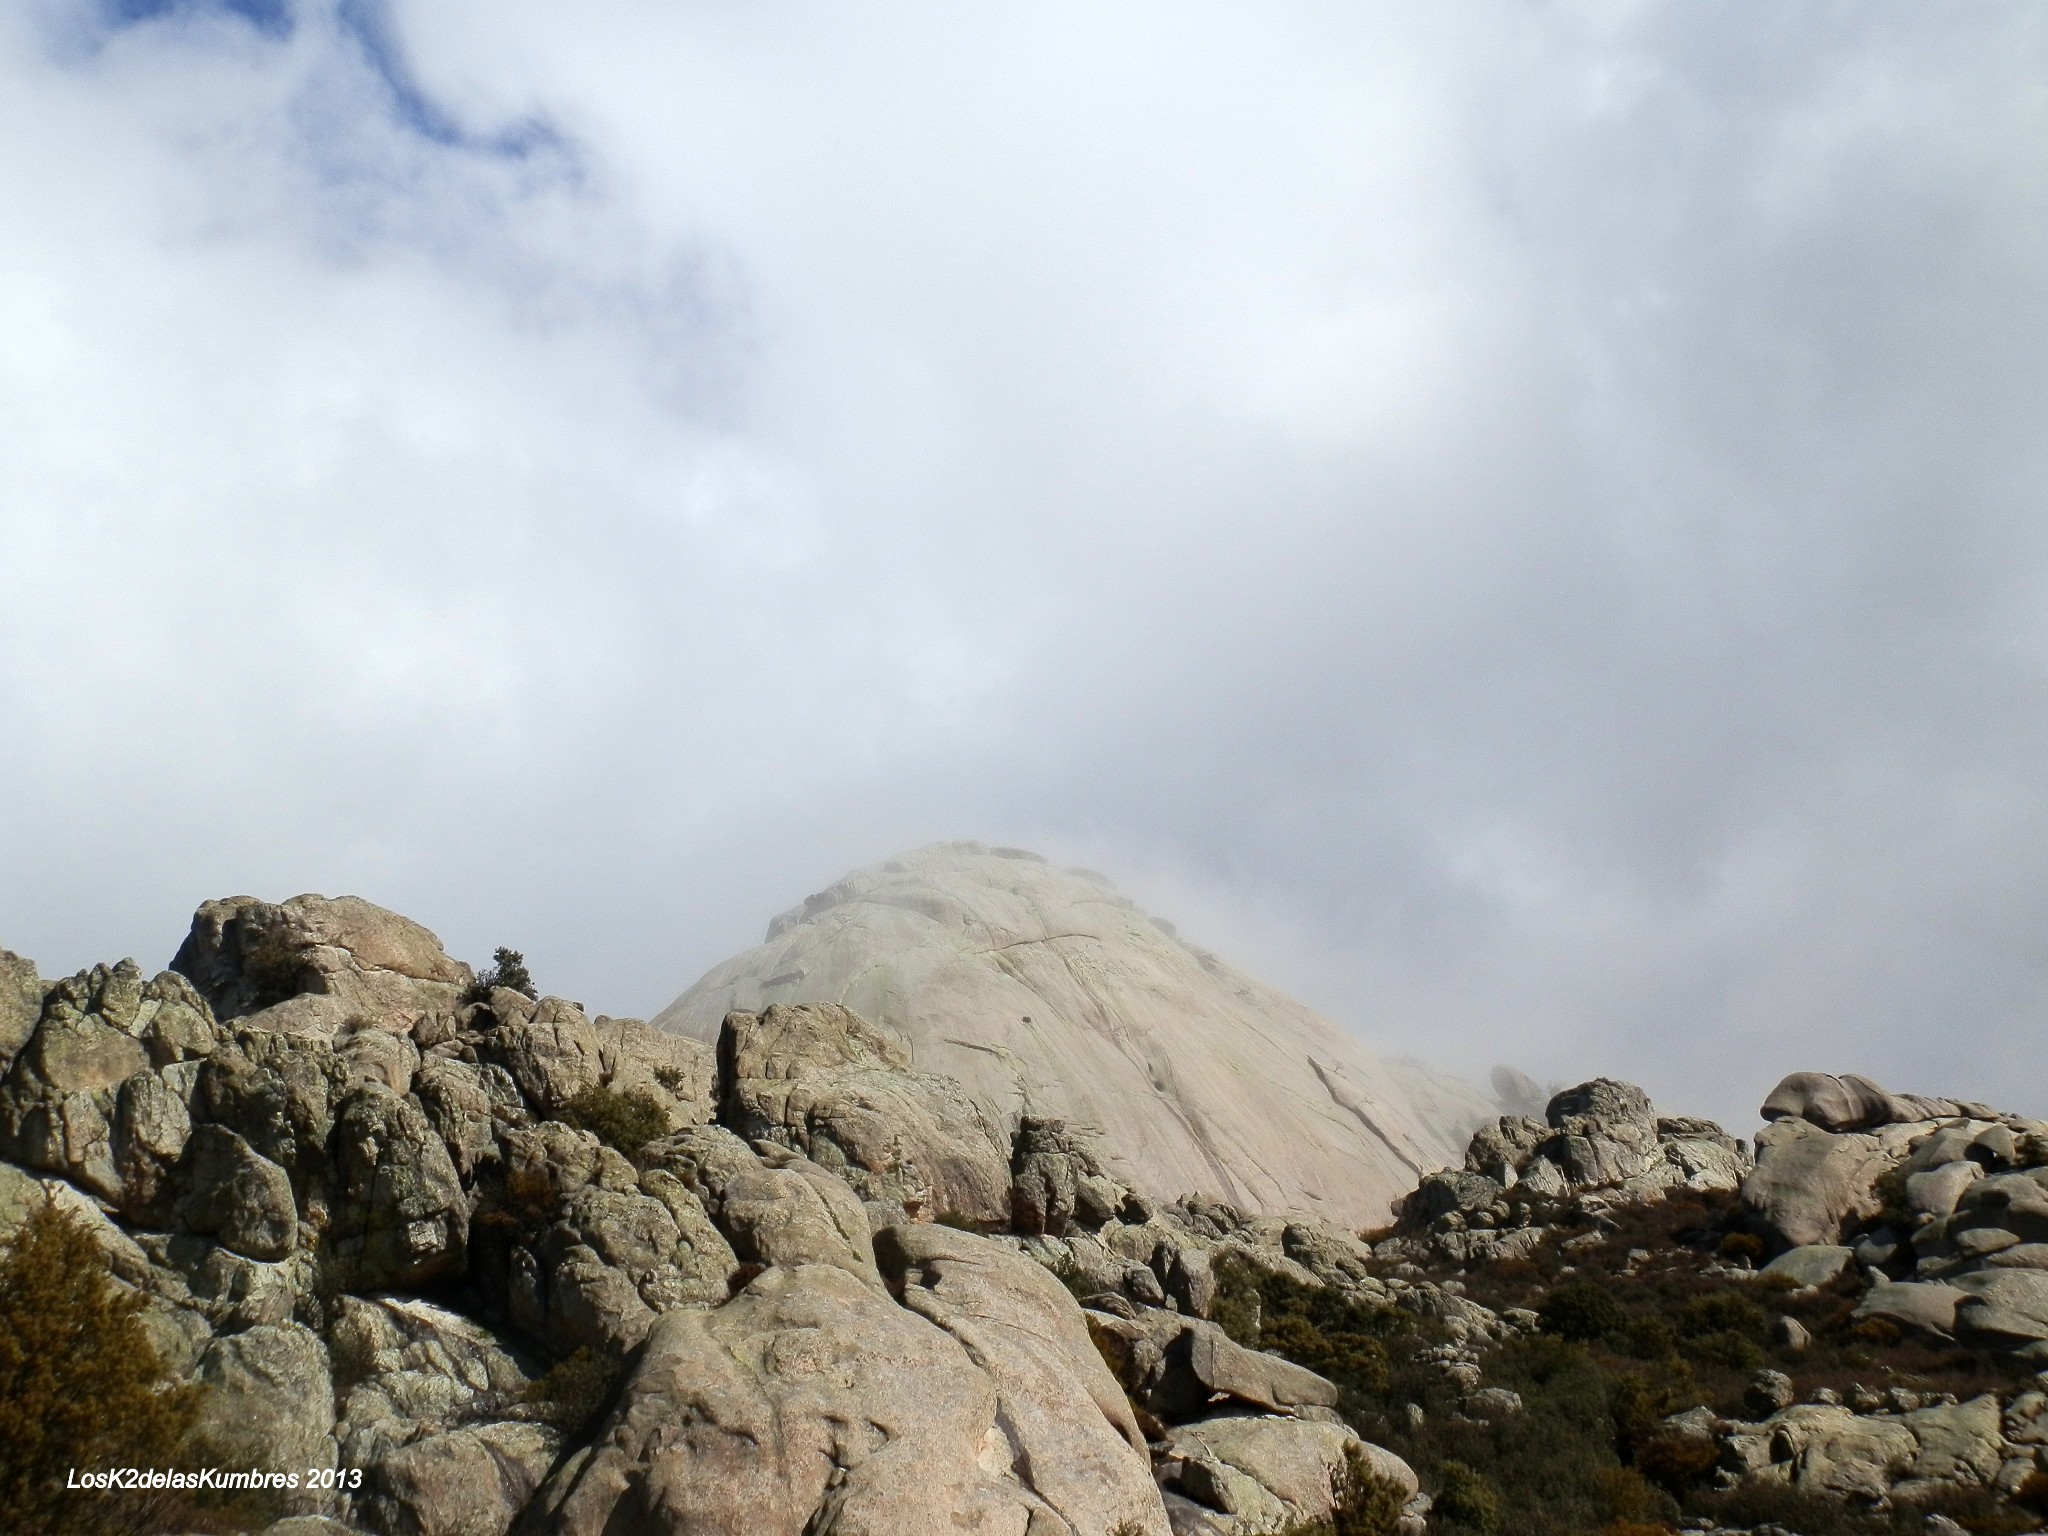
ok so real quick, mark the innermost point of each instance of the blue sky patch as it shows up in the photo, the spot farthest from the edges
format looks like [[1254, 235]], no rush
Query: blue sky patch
[[271, 17], [369, 23]]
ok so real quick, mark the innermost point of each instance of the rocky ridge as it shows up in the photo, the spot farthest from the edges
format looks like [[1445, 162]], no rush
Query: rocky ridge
[[385, 1214], [529, 1270], [1043, 991]]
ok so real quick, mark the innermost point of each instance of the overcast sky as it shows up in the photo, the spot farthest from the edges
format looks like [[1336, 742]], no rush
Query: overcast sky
[[1522, 524]]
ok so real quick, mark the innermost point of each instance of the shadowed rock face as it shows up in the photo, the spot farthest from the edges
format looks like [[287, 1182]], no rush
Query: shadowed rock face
[[1044, 991]]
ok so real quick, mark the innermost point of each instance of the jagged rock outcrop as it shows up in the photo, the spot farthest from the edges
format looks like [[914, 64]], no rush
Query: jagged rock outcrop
[[1599, 1143], [820, 1080], [326, 963], [1944, 1202], [1043, 991], [530, 1270], [21, 1004]]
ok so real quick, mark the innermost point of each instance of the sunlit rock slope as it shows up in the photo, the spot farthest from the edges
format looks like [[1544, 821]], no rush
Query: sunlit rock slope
[[1045, 991]]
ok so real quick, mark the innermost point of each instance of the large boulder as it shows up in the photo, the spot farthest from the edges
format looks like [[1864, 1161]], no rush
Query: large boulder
[[400, 1217], [405, 1369], [1834, 1452], [612, 1260], [1271, 1474], [1606, 1132], [822, 1081], [235, 1194], [433, 1405], [314, 965], [552, 1052], [1043, 991], [60, 1100], [472, 1481], [469, 1104], [1956, 1443], [1811, 1185], [1602, 1135], [1063, 1412], [810, 1402], [1853, 1103], [1050, 1172], [1202, 1363], [1918, 1308], [548, 1046], [790, 1211], [279, 1093], [270, 1402], [2003, 1308]]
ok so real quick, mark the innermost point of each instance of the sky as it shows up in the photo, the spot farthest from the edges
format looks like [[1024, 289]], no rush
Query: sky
[[1521, 524]]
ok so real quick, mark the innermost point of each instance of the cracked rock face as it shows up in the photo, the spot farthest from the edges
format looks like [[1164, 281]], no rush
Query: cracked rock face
[[812, 1402], [1044, 991], [821, 1081]]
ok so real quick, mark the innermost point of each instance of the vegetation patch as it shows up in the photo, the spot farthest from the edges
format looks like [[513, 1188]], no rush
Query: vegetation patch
[[507, 969], [82, 1387], [1654, 1317], [626, 1121]]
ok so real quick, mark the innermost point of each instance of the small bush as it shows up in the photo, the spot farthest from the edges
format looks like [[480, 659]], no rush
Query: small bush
[[1731, 1351], [575, 1390], [1724, 1312], [1582, 1311], [626, 1121], [80, 1383], [1363, 1503], [1237, 1308], [507, 969], [1639, 1404], [1331, 1335], [1468, 1501]]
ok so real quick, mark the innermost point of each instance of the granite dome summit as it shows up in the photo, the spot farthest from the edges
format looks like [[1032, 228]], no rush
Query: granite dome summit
[[1045, 991]]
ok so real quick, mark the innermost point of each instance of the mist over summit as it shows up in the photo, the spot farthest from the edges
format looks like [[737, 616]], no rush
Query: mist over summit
[[1045, 991]]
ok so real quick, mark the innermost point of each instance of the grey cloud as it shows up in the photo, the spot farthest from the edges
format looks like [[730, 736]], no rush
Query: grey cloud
[[1519, 525]]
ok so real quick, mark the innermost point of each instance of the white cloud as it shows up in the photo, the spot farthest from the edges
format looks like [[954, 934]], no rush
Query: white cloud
[[1518, 521]]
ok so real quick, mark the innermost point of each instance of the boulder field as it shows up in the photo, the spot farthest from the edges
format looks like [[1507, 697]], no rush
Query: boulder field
[[391, 1217], [526, 1270]]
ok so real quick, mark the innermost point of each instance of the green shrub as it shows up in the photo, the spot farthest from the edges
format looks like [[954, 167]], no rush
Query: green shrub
[[626, 1121], [1363, 1503], [1582, 1311], [1639, 1404], [1724, 1329], [1467, 1501], [1318, 1327], [1724, 1312], [1237, 1307], [1676, 1461], [81, 1385], [507, 969], [1731, 1351]]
